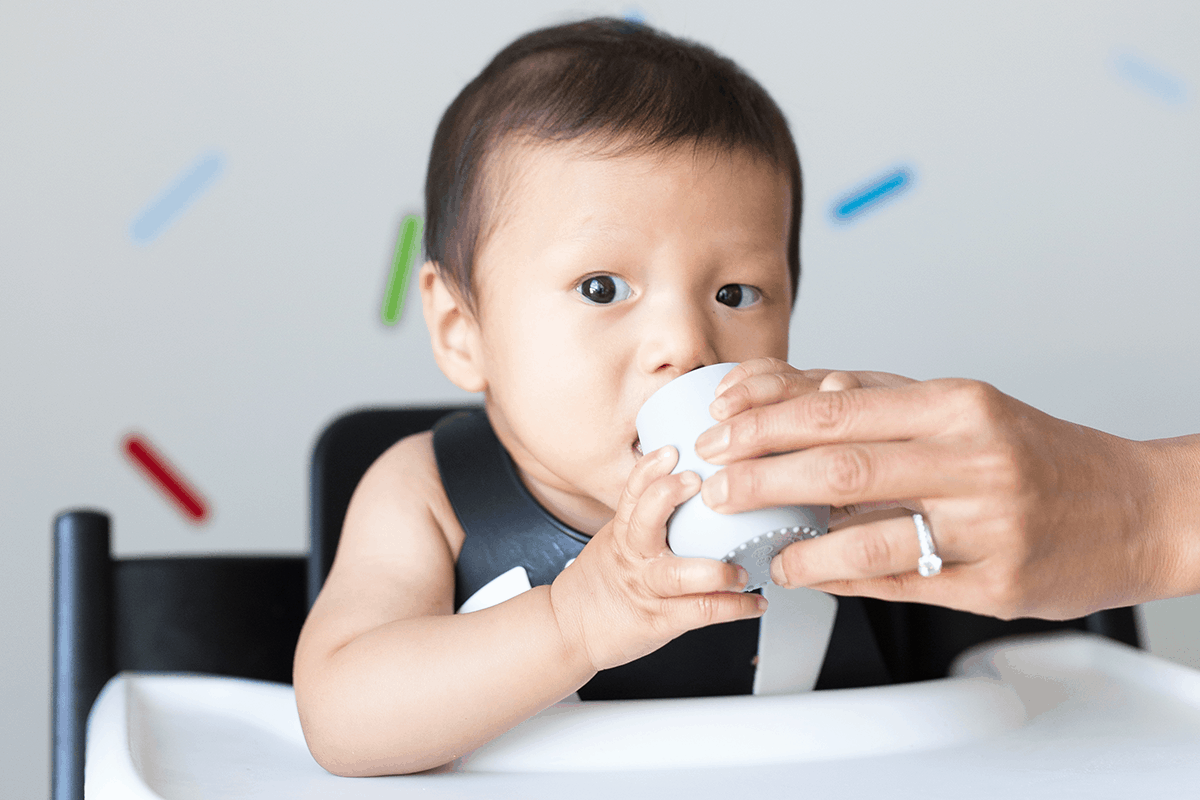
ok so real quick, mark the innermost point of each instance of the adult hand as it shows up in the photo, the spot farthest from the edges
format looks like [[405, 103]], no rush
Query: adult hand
[[1032, 515]]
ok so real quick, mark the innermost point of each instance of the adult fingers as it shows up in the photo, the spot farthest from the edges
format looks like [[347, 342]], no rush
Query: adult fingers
[[867, 550], [769, 366], [886, 380], [841, 516], [755, 366], [879, 559], [914, 410], [840, 382], [761, 389], [979, 587], [845, 474], [954, 587], [672, 576]]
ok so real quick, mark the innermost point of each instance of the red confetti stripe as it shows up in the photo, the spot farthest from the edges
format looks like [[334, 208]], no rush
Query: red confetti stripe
[[155, 466]]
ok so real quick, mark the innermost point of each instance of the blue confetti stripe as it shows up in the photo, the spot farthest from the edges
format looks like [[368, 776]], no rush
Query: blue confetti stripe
[[1150, 78], [155, 217], [872, 194]]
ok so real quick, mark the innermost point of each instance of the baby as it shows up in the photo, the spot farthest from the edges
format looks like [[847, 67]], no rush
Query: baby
[[607, 209]]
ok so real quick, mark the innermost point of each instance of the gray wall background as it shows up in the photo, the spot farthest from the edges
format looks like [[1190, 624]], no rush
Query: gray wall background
[[1047, 242]]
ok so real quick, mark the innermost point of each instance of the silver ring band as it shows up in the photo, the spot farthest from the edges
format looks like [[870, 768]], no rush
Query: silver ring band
[[930, 563]]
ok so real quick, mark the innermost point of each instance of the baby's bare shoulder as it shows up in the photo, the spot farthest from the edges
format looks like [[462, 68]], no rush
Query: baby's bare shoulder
[[400, 501], [395, 557]]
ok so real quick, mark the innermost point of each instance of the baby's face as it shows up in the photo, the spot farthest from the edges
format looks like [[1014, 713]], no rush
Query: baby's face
[[605, 278]]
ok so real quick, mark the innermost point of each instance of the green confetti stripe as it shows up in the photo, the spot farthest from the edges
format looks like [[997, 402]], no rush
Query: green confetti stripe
[[397, 288]]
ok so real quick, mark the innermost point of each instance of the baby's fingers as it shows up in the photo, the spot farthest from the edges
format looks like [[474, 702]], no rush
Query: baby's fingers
[[645, 531], [701, 610], [648, 469], [672, 576]]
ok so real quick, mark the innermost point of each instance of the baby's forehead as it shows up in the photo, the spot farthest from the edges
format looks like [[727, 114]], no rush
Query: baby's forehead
[[520, 165], [514, 157]]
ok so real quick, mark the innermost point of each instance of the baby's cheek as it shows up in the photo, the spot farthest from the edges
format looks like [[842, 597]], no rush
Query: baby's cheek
[[611, 486]]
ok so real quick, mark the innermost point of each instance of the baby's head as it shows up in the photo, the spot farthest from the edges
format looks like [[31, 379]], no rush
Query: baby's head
[[606, 208]]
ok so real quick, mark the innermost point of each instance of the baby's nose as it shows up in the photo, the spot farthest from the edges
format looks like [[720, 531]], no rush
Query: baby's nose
[[678, 342]]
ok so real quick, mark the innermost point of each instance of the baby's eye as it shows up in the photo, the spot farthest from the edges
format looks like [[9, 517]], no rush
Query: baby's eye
[[738, 295], [604, 289]]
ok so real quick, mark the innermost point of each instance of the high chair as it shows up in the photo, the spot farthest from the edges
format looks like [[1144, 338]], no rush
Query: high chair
[[240, 616]]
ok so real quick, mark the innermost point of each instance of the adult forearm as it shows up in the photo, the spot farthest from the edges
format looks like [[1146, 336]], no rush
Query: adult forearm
[[417, 693], [1173, 512]]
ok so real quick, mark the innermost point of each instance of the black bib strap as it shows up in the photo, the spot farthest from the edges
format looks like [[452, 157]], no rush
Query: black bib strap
[[505, 526]]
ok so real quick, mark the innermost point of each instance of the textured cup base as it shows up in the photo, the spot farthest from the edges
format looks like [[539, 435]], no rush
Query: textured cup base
[[755, 555]]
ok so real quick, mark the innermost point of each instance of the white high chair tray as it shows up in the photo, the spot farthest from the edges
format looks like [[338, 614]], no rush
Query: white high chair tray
[[1070, 715]]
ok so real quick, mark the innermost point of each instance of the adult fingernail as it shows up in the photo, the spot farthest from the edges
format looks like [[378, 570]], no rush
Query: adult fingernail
[[777, 576], [715, 490], [713, 441], [718, 407], [743, 577]]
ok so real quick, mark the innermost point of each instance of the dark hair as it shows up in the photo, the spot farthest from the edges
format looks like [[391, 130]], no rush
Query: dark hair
[[624, 85]]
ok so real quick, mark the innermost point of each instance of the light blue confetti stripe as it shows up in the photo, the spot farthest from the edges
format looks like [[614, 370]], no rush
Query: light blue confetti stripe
[[176, 199], [1150, 78], [872, 194]]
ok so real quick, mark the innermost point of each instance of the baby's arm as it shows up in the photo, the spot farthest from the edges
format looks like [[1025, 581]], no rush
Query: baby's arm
[[389, 680]]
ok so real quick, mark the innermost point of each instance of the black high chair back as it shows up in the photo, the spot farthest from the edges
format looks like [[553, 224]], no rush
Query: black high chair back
[[224, 615]]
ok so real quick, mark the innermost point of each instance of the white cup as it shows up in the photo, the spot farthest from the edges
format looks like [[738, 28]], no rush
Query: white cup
[[676, 415]]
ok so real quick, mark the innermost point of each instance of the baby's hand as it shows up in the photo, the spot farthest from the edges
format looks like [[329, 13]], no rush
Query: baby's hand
[[627, 594]]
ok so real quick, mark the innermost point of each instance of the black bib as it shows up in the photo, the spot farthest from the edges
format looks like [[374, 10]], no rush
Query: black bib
[[506, 527]]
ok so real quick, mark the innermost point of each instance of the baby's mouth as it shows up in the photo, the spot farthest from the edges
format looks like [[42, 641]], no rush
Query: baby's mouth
[[637, 447]]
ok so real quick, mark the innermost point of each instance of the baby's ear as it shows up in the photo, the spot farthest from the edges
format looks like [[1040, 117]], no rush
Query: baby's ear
[[453, 331]]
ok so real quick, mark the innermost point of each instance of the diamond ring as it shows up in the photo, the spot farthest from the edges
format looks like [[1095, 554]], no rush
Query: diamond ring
[[930, 563]]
